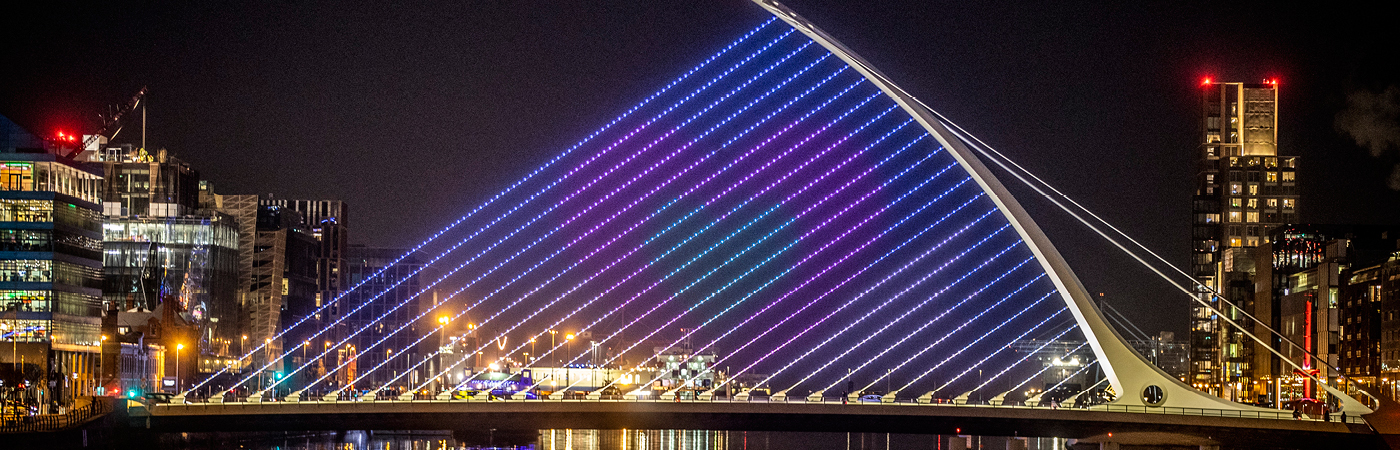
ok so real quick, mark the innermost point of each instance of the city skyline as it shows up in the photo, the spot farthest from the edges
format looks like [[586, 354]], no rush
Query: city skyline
[[376, 100]]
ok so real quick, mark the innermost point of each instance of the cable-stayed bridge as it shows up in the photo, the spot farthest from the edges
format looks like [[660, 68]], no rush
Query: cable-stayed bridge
[[838, 249]]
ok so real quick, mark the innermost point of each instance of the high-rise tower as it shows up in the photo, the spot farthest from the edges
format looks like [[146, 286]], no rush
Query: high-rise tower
[[1244, 188]]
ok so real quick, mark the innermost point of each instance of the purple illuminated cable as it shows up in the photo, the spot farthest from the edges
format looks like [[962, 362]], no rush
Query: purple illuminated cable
[[945, 335], [907, 312], [746, 178], [1003, 347], [839, 285], [730, 188], [713, 270], [867, 315], [614, 191], [751, 128], [746, 226], [765, 261], [577, 192], [1023, 359], [528, 176], [742, 252], [770, 116], [887, 278], [830, 266], [973, 343], [823, 272], [711, 177]]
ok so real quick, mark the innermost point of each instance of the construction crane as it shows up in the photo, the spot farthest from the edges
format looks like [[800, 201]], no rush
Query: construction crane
[[109, 122]]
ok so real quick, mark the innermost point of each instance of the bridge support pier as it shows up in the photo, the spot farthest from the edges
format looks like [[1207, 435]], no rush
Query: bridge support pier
[[959, 442]]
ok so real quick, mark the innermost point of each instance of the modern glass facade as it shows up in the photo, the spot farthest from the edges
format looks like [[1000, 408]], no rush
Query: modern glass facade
[[191, 259], [50, 268]]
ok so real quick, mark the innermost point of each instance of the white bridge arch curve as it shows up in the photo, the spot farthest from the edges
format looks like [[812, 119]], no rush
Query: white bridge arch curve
[[1126, 370]]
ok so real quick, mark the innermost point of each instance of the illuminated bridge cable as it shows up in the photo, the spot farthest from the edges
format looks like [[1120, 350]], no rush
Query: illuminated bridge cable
[[790, 197], [723, 264], [971, 367], [792, 101], [892, 298], [751, 198], [1002, 348], [672, 202], [1071, 376], [887, 278], [507, 190], [818, 275], [1023, 359], [770, 258], [915, 236], [1042, 371], [930, 322], [809, 257], [559, 203], [907, 312], [911, 358], [674, 224]]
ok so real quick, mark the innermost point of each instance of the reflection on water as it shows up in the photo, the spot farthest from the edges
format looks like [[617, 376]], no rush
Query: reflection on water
[[752, 440], [595, 440]]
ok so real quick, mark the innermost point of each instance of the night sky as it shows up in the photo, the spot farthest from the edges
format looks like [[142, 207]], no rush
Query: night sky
[[415, 113]]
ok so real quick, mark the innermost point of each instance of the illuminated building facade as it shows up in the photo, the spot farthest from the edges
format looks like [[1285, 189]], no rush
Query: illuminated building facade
[[50, 269], [327, 222], [282, 288], [397, 348], [1243, 189], [1323, 289]]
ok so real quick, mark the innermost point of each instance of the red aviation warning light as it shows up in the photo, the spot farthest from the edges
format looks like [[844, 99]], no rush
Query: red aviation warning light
[[1205, 81]]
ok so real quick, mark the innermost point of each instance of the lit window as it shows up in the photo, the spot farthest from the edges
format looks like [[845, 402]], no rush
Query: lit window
[[1271, 177], [1273, 203], [1287, 203], [1234, 188], [1253, 203], [1251, 217], [1253, 189], [1288, 176], [1234, 203], [1234, 216]]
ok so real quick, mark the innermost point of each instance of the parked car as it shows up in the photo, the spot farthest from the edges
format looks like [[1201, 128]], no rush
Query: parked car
[[870, 398]]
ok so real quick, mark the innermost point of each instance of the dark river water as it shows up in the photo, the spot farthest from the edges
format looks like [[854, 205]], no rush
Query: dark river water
[[596, 440]]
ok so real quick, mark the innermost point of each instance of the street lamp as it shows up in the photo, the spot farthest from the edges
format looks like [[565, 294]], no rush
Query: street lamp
[[552, 344], [569, 343], [178, 347]]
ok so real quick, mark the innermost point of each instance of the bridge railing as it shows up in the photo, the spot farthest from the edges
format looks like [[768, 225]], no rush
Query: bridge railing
[[14, 423], [1204, 412]]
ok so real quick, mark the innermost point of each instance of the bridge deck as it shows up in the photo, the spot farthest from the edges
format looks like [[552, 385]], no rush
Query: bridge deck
[[753, 416]]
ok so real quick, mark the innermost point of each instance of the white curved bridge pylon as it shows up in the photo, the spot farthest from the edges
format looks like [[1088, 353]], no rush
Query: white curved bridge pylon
[[1137, 381]]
